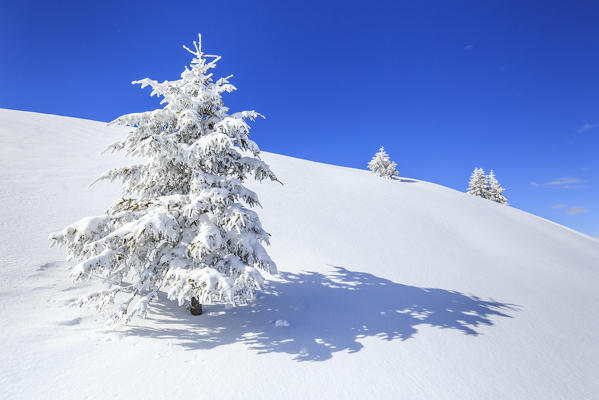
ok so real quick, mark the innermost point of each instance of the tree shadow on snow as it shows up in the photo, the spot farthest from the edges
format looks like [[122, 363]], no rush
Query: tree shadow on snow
[[326, 314], [404, 180]]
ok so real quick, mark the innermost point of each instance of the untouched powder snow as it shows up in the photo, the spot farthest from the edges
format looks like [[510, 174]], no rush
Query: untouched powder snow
[[388, 289]]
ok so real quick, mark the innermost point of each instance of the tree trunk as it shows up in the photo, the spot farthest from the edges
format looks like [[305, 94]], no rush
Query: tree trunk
[[196, 307]]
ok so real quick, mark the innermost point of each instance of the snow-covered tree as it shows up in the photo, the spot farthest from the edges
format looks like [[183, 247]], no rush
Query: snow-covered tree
[[182, 225], [495, 191], [382, 166], [478, 185], [486, 186]]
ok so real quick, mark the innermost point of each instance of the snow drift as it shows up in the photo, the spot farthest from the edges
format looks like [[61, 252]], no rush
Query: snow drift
[[388, 288]]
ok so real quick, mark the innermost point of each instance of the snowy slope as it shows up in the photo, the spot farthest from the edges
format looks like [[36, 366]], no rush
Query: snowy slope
[[392, 289]]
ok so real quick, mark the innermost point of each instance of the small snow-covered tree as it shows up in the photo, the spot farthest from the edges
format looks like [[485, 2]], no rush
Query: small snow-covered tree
[[478, 185], [495, 191], [382, 166], [182, 225]]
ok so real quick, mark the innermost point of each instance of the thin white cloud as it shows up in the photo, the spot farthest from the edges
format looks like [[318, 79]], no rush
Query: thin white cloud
[[566, 182], [469, 47], [587, 127], [576, 210], [559, 206]]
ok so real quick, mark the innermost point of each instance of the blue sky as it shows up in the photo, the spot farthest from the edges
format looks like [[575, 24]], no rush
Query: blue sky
[[444, 86]]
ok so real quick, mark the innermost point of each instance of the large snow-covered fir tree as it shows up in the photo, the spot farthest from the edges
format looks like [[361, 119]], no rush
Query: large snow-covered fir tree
[[478, 185], [495, 191], [382, 166], [182, 225]]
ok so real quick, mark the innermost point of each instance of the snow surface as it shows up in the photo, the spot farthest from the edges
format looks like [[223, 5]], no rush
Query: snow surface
[[391, 289]]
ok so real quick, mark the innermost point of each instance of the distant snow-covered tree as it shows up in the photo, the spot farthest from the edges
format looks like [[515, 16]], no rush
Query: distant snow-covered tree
[[182, 224], [382, 166], [486, 186], [495, 191], [478, 185]]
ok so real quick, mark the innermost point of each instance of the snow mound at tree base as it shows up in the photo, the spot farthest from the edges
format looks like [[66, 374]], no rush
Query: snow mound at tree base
[[390, 288]]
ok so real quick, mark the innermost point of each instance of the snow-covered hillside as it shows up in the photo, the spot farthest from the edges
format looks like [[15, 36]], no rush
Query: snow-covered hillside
[[388, 289]]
